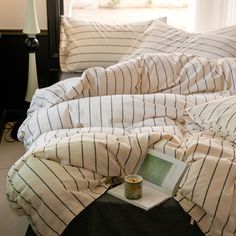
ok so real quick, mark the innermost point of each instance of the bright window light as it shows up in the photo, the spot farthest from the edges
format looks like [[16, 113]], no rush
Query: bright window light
[[121, 11]]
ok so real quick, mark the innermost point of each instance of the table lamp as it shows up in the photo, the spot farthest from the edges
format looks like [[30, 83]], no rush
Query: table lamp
[[31, 28]]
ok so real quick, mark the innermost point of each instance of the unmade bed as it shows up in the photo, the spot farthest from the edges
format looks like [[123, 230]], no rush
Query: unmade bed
[[83, 132]]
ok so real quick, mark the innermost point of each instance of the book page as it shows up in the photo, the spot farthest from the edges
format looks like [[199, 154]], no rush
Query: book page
[[161, 171], [150, 197], [154, 169]]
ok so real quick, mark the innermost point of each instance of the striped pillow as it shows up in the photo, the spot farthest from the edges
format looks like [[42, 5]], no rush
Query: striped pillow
[[161, 37], [218, 116], [85, 44], [229, 31]]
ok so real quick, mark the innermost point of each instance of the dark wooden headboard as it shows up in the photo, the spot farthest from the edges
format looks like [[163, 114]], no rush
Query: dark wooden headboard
[[54, 10]]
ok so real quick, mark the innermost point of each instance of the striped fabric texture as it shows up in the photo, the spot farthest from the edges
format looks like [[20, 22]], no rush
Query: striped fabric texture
[[229, 31], [218, 116], [163, 38], [81, 132], [85, 44]]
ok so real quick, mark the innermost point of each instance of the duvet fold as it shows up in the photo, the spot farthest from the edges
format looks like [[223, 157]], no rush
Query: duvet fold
[[81, 132]]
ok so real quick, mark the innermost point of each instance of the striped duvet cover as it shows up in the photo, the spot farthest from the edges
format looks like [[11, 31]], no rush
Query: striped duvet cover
[[82, 131]]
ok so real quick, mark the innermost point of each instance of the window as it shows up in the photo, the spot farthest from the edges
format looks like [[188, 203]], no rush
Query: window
[[120, 11]]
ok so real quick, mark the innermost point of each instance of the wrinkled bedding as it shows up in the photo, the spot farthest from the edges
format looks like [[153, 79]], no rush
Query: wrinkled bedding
[[83, 131]]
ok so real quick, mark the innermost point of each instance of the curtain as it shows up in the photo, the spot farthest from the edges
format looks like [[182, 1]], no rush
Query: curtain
[[208, 15], [68, 7]]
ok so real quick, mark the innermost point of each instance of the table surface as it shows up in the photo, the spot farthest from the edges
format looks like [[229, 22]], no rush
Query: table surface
[[111, 216]]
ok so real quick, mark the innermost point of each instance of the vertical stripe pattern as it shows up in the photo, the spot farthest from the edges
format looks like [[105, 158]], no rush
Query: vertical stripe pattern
[[89, 129]]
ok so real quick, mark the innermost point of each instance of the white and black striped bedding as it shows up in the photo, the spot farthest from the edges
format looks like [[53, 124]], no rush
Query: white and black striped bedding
[[82, 131], [218, 116], [163, 38], [85, 44], [228, 31]]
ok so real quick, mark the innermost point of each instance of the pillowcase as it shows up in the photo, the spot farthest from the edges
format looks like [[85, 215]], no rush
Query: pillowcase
[[218, 116], [161, 37], [229, 31], [85, 44]]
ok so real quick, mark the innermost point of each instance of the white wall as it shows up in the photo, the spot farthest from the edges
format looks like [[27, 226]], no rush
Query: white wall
[[12, 14]]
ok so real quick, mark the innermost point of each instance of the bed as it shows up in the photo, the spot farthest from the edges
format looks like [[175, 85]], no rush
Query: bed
[[165, 89]]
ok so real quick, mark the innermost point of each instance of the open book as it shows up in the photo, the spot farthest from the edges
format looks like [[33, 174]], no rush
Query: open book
[[161, 177]]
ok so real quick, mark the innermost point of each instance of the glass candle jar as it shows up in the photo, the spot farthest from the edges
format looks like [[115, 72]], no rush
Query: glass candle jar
[[133, 186]]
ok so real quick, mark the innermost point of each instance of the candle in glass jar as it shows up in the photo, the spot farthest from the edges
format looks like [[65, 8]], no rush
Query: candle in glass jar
[[133, 186]]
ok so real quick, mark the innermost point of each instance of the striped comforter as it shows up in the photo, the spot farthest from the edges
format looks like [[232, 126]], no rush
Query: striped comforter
[[82, 131]]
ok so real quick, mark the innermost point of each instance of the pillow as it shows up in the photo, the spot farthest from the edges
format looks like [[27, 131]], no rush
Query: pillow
[[218, 116], [228, 31], [161, 37], [85, 44]]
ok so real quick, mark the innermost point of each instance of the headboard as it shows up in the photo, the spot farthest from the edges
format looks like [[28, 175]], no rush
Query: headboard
[[54, 10]]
